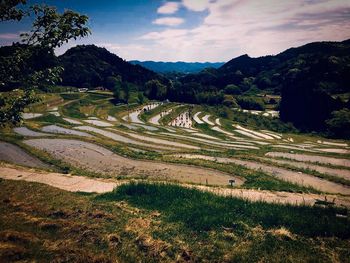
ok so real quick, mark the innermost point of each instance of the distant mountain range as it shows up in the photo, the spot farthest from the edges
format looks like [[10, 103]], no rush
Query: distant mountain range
[[179, 67]]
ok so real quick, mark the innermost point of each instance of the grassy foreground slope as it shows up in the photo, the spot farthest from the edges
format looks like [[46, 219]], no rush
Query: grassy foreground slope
[[45, 224]]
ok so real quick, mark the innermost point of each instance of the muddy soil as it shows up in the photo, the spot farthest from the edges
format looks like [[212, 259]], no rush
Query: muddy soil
[[14, 154]]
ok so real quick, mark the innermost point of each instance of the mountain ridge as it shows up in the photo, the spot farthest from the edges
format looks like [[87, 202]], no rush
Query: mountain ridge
[[178, 66], [90, 66]]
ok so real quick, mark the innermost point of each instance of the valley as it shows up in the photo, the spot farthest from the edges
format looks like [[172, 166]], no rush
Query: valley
[[174, 131]]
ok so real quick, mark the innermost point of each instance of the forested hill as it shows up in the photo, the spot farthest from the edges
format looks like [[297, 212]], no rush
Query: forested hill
[[270, 72], [313, 81], [92, 66], [178, 67]]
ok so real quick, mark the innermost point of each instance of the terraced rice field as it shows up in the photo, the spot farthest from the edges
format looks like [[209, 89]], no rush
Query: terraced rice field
[[139, 141], [98, 159], [14, 154]]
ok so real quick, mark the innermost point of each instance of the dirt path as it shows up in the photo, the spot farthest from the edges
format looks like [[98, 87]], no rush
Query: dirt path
[[95, 158], [62, 181], [311, 158], [14, 154], [284, 174], [321, 169], [83, 184], [274, 197]]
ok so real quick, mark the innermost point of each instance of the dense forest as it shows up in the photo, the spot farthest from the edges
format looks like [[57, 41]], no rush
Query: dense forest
[[90, 66]]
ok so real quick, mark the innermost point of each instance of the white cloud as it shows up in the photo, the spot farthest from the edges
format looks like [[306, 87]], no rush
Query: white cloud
[[169, 8], [169, 21], [9, 36], [235, 27], [196, 5]]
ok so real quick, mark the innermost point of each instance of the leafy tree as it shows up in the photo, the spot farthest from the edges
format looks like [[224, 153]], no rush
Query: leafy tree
[[305, 105], [339, 124], [11, 104], [155, 90], [112, 82], [230, 101], [50, 30], [140, 98], [250, 103], [121, 92], [9, 10], [233, 89], [126, 90]]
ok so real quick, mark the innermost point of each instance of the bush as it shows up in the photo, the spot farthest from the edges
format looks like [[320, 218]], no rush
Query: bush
[[250, 103], [229, 101], [339, 124], [233, 90]]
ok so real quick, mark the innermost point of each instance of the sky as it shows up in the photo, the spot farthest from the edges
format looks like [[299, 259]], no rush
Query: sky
[[199, 30]]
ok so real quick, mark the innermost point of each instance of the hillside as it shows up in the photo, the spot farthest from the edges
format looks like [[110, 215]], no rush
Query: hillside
[[90, 66], [180, 67], [313, 81], [269, 72]]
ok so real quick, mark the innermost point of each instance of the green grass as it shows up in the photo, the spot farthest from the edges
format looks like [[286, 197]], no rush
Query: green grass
[[50, 118], [73, 109], [202, 211], [71, 96], [97, 96], [81, 227]]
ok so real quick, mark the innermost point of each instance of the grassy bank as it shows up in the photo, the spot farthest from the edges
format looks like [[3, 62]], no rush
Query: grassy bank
[[54, 225], [205, 211]]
